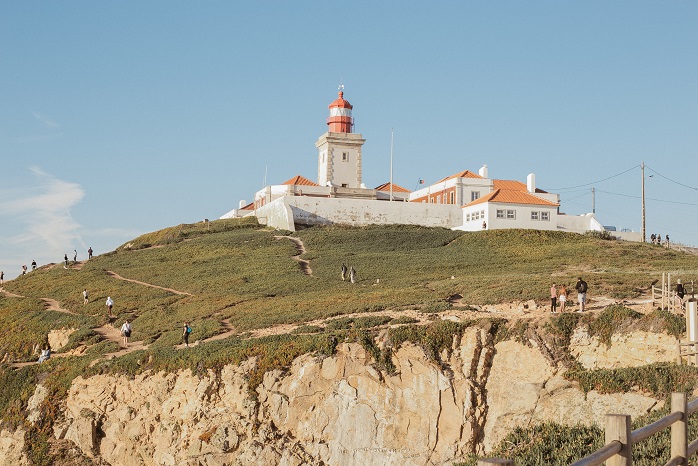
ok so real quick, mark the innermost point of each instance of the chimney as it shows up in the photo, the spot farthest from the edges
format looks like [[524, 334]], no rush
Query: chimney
[[531, 183], [242, 204], [483, 171]]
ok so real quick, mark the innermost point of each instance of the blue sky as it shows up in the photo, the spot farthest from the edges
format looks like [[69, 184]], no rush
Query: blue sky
[[119, 118]]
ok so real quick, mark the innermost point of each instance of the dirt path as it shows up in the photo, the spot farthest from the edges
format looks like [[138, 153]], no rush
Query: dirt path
[[53, 305], [300, 248], [10, 295], [110, 333], [461, 312], [228, 330], [119, 277]]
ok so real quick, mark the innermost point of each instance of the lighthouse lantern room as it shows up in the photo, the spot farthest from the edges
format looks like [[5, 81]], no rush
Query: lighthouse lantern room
[[339, 150]]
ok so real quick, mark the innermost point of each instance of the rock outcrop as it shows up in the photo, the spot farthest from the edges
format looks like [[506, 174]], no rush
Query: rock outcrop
[[336, 410]]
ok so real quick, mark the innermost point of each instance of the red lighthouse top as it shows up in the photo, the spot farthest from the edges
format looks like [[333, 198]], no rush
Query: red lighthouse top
[[340, 120]]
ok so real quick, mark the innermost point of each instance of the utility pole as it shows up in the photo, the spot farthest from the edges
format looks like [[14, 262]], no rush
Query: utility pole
[[593, 200], [644, 236], [391, 163]]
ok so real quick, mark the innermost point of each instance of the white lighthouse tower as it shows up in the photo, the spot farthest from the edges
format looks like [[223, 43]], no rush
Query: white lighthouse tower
[[339, 150]]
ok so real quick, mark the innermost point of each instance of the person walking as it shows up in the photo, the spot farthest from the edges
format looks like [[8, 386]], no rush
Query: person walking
[[186, 330], [75, 256], [33, 265], [562, 297], [89, 253], [344, 272], [110, 305], [24, 270], [85, 296], [65, 258], [352, 274], [680, 292], [553, 299], [2, 277], [126, 332], [581, 288]]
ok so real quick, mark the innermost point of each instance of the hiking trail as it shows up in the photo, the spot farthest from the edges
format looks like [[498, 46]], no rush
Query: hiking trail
[[171, 290], [300, 249]]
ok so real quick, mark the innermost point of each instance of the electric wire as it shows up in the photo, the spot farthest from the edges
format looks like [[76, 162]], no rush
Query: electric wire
[[669, 179], [594, 182]]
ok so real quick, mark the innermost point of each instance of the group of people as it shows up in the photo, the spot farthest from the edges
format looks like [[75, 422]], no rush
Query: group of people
[[348, 273], [657, 239], [559, 295]]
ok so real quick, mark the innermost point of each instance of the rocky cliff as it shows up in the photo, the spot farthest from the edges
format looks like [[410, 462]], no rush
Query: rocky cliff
[[340, 410]]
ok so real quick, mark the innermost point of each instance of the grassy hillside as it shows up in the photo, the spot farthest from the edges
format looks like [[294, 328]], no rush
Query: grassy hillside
[[237, 277]]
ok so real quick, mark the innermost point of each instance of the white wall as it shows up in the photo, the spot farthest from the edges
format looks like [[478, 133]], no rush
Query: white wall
[[578, 223], [522, 218], [356, 212]]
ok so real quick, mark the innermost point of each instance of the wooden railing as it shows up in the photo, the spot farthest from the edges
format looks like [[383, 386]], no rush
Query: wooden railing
[[618, 450]]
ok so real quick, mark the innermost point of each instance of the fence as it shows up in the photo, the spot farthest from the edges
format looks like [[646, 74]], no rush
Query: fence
[[618, 450]]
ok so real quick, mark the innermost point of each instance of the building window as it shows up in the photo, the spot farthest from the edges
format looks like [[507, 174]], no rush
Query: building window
[[344, 185], [345, 156], [511, 214], [474, 195], [467, 217], [501, 213], [453, 197], [535, 215], [545, 216]]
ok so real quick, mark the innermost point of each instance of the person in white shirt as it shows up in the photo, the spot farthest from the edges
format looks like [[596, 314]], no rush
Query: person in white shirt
[[126, 332]]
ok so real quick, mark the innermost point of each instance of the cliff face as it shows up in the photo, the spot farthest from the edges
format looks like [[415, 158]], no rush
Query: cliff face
[[339, 410]]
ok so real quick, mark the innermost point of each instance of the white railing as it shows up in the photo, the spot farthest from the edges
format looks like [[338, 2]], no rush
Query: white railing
[[618, 450]]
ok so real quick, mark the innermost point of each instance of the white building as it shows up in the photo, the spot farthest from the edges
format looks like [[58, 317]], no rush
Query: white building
[[466, 200]]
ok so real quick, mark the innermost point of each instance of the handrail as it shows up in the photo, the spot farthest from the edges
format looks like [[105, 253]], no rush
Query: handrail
[[692, 407], [600, 455], [643, 433], [621, 440], [693, 448], [675, 461]]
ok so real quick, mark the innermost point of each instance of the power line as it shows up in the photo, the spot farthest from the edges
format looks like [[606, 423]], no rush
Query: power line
[[649, 198], [594, 182], [669, 179]]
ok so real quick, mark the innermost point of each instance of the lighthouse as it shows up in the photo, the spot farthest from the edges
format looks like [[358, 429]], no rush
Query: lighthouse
[[339, 150]]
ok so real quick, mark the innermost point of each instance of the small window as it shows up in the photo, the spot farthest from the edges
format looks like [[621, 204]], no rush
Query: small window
[[467, 217], [501, 213], [545, 216], [345, 156], [535, 215], [511, 214], [474, 195], [344, 185], [453, 197]]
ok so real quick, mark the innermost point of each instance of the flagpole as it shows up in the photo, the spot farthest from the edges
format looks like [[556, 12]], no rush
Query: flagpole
[[391, 163]]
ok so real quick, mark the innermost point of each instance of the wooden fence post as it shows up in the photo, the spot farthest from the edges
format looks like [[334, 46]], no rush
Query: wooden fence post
[[618, 428], [490, 461], [679, 429]]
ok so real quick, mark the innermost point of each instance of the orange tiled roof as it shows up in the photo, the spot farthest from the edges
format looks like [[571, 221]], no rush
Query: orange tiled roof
[[249, 206], [463, 174], [396, 188], [513, 185], [509, 196], [300, 181]]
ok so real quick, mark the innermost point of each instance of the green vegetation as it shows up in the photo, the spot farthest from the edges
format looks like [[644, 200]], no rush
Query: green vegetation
[[557, 445], [236, 274]]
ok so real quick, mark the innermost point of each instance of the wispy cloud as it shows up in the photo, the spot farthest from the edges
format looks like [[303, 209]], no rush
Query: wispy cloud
[[46, 120], [37, 222]]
